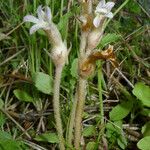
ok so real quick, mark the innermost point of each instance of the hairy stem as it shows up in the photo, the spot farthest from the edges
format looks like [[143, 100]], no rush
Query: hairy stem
[[56, 106], [71, 121], [81, 92], [79, 98]]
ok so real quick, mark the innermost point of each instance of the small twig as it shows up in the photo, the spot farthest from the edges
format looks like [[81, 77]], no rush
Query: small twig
[[125, 78], [11, 57], [90, 118], [19, 76], [12, 82], [13, 120], [34, 145], [14, 29], [6, 35], [143, 9]]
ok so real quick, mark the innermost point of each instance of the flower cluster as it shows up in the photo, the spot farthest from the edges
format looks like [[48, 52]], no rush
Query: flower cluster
[[103, 9], [44, 21]]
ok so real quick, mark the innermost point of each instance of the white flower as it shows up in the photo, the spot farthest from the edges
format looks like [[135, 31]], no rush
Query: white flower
[[42, 21], [59, 53], [103, 9]]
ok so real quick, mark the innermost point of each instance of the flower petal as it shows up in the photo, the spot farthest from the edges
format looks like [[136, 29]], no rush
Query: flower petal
[[109, 15], [48, 13], [101, 4], [35, 27], [30, 18], [96, 21], [40, 13], [101, 10], [109, 5]]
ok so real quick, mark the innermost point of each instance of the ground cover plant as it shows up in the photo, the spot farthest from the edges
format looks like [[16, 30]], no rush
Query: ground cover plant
[[74, 74]]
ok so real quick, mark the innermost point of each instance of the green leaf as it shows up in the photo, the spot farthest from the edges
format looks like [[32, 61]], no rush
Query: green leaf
[[121, 110], [134, 7], [145, 112], [115, 127], [89, 131], [142, 92], [74, 68], [143, 144], [5, 135], [23, 96], [64, 23], [122, 141], [1, 103], [109, 38], [2, 119], [43, 82], [146, 129], [47, 137], [10, 144], [91, 146]]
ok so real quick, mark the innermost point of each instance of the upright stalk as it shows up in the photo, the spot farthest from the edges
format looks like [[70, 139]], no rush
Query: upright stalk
[[72, 121], [79, 111], [80, 93], [56, 106]]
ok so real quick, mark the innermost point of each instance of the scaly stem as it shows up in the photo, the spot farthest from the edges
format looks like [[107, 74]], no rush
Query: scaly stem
[[56, 106], [100, 91], [81, 92], [71, 121]]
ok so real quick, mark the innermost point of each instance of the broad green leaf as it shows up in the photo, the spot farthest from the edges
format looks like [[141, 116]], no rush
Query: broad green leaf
[[74, 68], [47, 137], [115, 127], [134, 7], [144, 143], [121, 110], [43, 82], [142, 92], [23, 95], [91, 146], [108, 39], [10, 144], [146, 129], [2, 119], [5, 135], [145, 112], [89, 131], [122, 141], [1, 103]]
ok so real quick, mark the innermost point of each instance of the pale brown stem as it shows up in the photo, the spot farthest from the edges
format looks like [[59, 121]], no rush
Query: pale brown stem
[[81, 92], [72, 121], [74, 108], [56, 106]]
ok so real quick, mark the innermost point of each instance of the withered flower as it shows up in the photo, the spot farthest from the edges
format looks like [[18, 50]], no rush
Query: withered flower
[[87, 66]]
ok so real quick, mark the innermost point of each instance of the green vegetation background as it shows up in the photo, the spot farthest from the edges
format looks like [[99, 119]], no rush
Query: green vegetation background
[[26, 98]]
